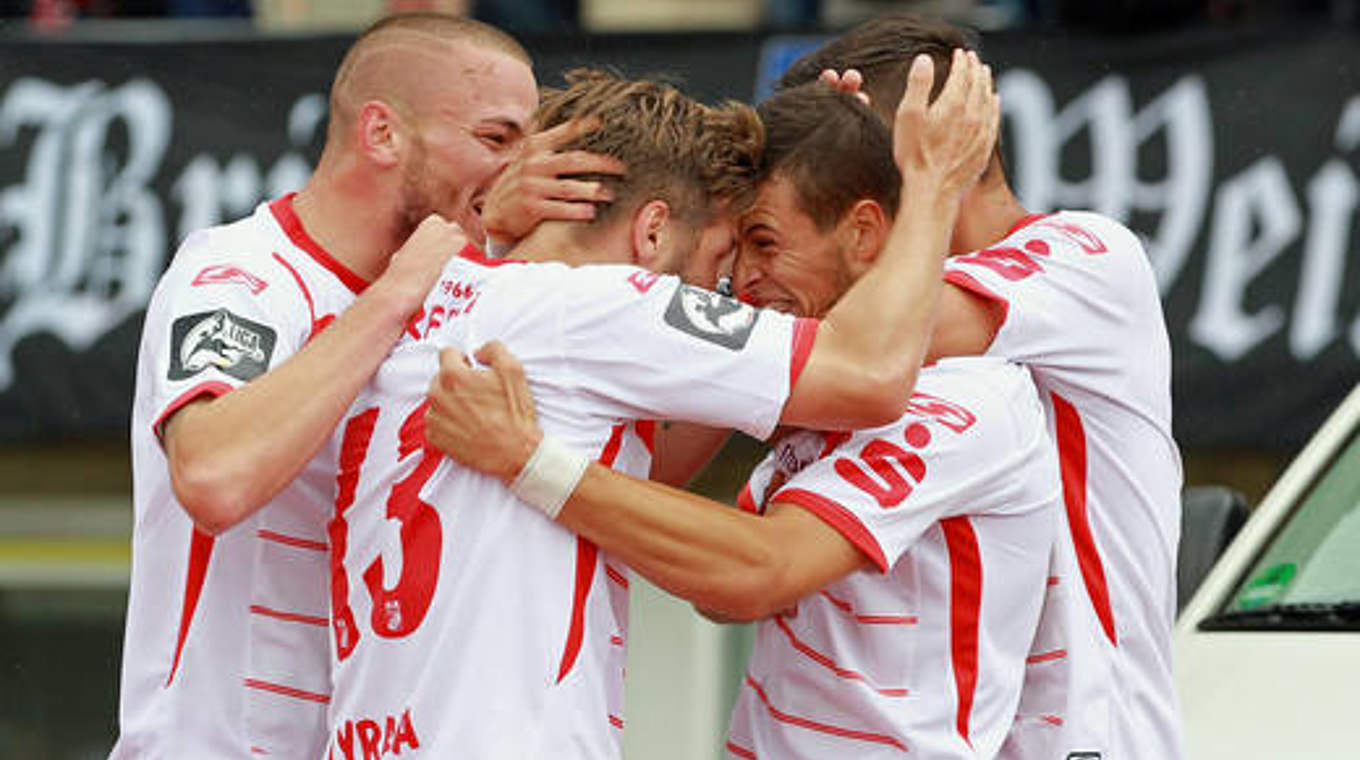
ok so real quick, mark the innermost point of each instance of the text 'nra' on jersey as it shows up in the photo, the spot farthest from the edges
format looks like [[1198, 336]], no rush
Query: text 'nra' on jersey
[[369, 739]]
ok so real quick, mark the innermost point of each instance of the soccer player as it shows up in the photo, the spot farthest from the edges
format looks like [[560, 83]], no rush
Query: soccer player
[[949, 511], [465, 623], [1072, 296], [256, 341]]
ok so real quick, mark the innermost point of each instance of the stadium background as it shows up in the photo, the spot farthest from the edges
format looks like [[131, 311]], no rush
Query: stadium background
[[1230, 141]]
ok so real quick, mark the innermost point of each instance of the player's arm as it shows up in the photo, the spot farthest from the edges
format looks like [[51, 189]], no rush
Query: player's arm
[[681, 450], [870, 346], [965, 324], [733, 563], [229, 455]]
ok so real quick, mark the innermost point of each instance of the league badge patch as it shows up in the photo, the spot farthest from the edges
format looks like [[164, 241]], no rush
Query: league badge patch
[[234, 345], [711, 317]]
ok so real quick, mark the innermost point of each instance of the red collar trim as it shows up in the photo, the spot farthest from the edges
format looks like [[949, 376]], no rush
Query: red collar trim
[[292, 226], [474, 254], [1024, 222]]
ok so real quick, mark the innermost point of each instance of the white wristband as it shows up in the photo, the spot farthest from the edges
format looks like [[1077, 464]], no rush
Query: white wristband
[[549, 477]]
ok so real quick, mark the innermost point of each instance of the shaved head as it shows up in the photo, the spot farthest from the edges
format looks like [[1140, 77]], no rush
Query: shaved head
[[402, 59]]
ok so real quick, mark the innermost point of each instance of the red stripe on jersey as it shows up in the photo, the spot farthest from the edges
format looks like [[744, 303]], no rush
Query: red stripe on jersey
[[746, 501], [804, 336], [825, 728], [616, 575], [965, 604], [258, 751], [318, 323], [1072, 458], [1052, 720], [972, 285], [616, 640], [586, 555], [1056, 654], [616, 721], [822, 659], [290, 617], [845, 607], [293, 541], [200, 553], [740, 751], [287, 691], [212, 388], [646, 430], [838, 517], [292, 227]]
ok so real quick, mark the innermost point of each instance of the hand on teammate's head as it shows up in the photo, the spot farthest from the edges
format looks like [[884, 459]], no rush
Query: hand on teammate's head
[[947, 143], [545, 183]]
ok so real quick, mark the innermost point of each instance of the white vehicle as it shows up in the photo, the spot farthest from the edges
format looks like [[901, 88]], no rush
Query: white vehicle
[[1268, 649]]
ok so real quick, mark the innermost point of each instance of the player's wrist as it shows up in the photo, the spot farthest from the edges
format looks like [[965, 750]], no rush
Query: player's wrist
[[549, 476]]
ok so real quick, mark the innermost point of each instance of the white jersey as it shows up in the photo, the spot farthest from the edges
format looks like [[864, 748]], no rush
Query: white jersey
[[226, 651], [467, 624], [1082, 311], [956, 504]]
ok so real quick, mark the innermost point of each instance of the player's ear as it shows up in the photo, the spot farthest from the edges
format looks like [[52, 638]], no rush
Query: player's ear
[[380, 133], [866, 228], [651, 225]]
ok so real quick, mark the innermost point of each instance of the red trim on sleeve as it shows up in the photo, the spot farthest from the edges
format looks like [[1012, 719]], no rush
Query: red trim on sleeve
[[214, 388], [971, 284], [1072, 460], [838, 517], [646, 430], [200, 553], [296, 542], [287, 218], [586, 555], [965, 606], [804, 336], [289, 617], [746, 501]]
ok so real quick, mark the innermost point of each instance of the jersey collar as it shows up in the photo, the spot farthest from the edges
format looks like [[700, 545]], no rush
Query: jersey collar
[[287, 218]]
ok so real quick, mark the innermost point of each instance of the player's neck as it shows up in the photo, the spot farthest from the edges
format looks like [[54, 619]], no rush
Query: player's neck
[[987, 214], [564, 242], [344, 222]]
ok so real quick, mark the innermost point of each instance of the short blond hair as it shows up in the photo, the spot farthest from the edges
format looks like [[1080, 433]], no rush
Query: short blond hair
[[695, 157]]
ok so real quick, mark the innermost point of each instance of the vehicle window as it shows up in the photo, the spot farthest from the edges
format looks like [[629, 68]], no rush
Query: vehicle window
[[1313, 563]]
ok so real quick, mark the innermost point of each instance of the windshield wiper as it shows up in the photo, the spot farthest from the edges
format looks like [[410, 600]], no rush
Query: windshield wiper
[[1308, 616]]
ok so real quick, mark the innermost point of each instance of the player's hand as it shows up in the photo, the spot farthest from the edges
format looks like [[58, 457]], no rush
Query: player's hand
[[414, 268], [946, 144], [850, 82], [483, 418], [537, 186]]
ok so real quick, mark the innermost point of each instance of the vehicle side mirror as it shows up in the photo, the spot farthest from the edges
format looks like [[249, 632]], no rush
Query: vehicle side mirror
[[1210, 518]]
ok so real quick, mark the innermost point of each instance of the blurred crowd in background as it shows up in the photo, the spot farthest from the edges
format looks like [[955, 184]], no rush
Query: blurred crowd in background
[[565, 16]]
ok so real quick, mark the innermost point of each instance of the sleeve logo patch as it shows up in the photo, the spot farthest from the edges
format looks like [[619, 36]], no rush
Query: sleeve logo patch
[[221, 340], [711, 317]]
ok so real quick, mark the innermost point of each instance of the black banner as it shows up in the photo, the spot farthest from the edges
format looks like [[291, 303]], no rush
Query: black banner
[[1234, 154]]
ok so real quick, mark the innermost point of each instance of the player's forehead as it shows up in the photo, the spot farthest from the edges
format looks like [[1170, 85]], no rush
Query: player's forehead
[[778, 206], [473, 83]]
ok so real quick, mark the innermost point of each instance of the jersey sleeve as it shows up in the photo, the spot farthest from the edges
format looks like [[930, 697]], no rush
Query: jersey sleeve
[[974, 446], [1058, 272], [218, 319], [637, 345]]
